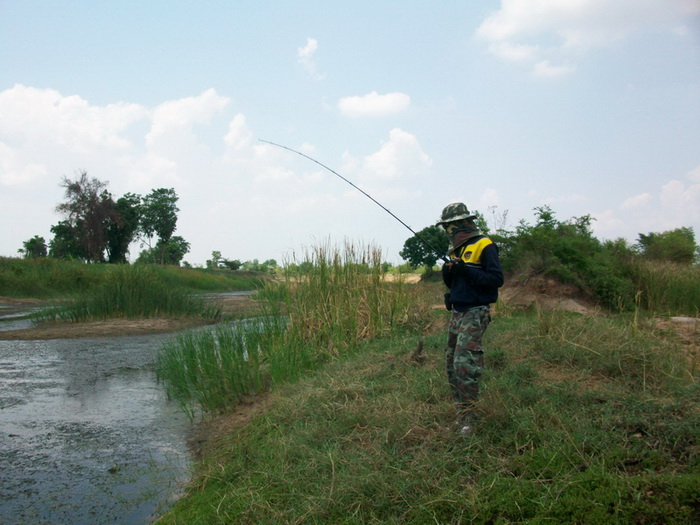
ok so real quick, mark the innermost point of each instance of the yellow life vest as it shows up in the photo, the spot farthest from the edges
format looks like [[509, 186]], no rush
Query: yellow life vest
[[471, 253]]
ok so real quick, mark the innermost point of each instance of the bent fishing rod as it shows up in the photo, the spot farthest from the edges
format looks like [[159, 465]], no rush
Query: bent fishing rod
[[419, 237]]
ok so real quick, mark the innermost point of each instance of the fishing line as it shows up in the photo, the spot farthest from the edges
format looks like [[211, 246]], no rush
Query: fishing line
[[443, 257]]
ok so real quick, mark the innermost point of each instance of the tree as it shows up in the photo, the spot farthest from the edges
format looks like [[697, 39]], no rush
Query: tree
[[159, 214], [232, 265], [170, 252], [215, 260], [675, 245], [65, 243], [34, 247], [88, 209], [417, 253], [122, 230]]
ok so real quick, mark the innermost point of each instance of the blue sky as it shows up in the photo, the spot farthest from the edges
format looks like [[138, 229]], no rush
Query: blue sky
[[588, 106]]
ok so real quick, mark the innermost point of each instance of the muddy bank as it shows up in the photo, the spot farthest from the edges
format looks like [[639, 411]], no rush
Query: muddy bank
[[109, 328], [238, 303]]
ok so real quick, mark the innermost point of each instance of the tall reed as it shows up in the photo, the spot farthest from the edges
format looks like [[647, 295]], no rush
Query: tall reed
[[667, 287], [341, 300], [45, 277], [133, 292], [211, 369]]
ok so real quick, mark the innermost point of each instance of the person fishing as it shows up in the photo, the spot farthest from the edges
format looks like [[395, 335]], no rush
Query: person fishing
[[473, 275]]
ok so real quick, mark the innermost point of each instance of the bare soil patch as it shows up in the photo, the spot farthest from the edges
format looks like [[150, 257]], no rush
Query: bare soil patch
[[548, 294], [207, 435], [234, 305], [108, 328]]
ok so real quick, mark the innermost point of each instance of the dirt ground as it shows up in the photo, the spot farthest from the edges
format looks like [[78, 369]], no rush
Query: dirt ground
[[547, 294], [110, 327]]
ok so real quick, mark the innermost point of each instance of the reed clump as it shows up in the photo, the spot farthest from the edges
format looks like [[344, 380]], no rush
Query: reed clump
[[341, 300], [209, 369], [667, 287], [49, 278], [132, 292]]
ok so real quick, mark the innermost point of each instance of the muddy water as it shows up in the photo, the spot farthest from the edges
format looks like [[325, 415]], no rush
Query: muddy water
[[87, 436]]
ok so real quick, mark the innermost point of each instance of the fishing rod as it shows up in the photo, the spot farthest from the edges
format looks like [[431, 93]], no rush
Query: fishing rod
[[419, 237]]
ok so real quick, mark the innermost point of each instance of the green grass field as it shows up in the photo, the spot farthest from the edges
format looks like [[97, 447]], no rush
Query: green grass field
[[583, 419]]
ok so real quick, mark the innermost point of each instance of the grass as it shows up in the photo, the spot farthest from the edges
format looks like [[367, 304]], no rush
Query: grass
[[582, 420], [133, 293], [102, 291], [48, 278], [342, 301], [215, 368], [667, 287]]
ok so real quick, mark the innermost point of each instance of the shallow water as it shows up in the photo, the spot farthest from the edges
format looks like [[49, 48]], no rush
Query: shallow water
[[87, 436]]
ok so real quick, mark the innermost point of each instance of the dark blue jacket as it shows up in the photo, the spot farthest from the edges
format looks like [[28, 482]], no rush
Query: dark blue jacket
[[476, 274]]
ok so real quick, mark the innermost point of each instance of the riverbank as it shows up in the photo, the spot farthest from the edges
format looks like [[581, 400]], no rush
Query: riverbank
[[232, 305], [572, 427]]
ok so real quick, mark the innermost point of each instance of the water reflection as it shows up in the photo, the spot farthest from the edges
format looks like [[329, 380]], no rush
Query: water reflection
[[86, 434]]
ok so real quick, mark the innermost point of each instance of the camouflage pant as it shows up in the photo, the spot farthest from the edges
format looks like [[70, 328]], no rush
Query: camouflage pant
[[464, 355]]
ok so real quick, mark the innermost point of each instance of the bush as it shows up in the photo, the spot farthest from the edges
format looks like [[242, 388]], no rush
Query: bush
[[567, 251]]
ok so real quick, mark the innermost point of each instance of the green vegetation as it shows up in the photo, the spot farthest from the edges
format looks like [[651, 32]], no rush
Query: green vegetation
[[96, 228], [666, 287], [618, 275], [583, 420], [342, 301], [134, 293], [49, 278]]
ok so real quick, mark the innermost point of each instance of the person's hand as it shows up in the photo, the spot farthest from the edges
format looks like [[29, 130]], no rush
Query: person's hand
[[447, 268], [459, 268]]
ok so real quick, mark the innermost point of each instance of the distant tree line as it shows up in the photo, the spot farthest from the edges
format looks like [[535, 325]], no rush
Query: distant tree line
[[97, 228], [219, 262]]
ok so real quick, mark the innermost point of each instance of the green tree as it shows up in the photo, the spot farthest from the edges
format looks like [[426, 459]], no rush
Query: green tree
[[65, 243], [674, 245], [159, 221], [88, 209], [159, 214], [215, 260], [121, 231], [34, 247], [232, 265], [170, 252], [418, 253]]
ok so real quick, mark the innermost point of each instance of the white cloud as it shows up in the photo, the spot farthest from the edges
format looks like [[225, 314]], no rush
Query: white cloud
[[28, 113], [514, 52], [238, 136], [694, 175], [373, 104], [306, 57], [14, 171], [172, 122], [400, 156], [676, 205], [488, 199], [542, 30], [544, 69], [638, 201]]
